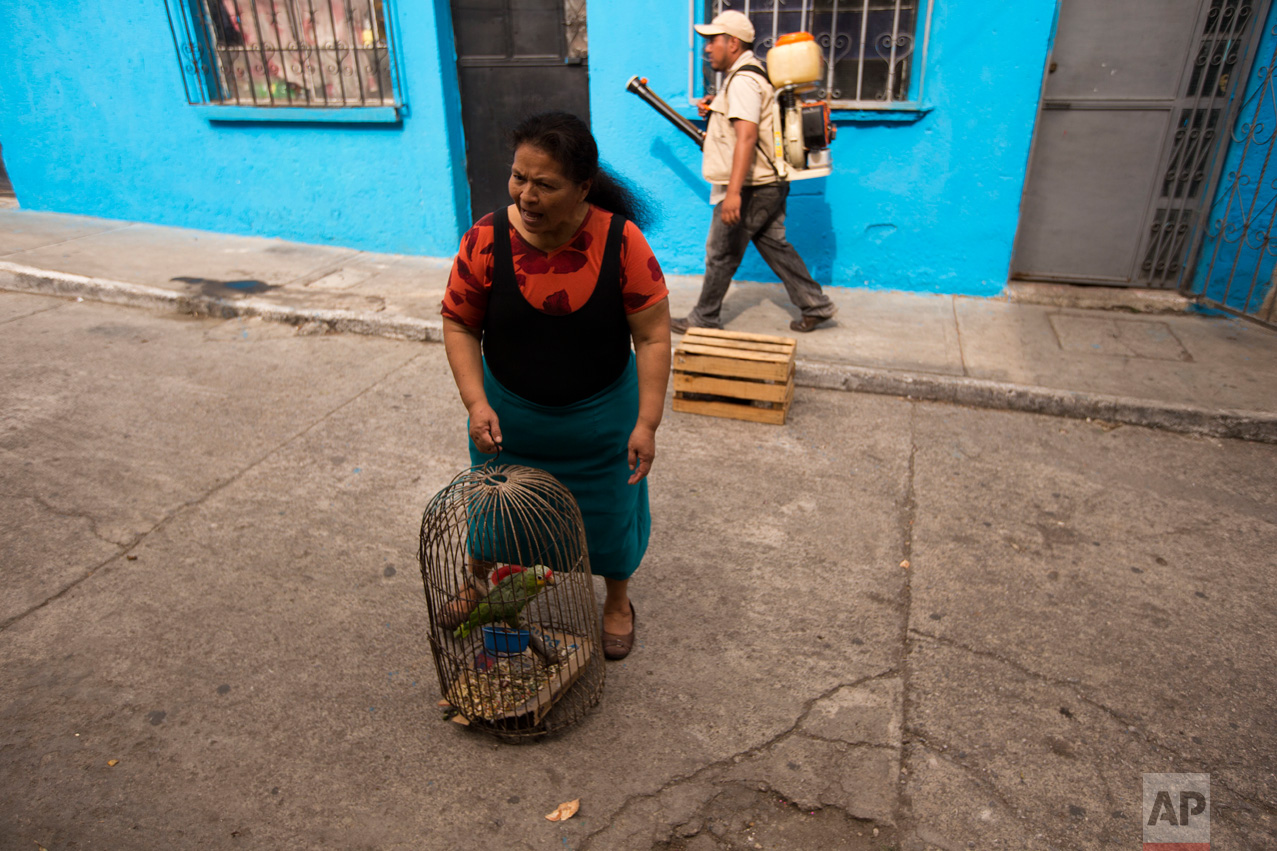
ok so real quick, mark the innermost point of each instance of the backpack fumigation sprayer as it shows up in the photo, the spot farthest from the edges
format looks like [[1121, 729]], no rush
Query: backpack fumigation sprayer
[[801, 129]]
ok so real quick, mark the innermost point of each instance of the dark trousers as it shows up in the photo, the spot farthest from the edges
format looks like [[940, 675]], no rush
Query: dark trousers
[[763, 223]]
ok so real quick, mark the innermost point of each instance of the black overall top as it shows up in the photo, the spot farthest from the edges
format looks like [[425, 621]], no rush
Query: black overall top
[[555, 360]]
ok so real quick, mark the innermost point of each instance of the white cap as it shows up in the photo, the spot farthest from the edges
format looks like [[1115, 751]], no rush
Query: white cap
[[729, 23]]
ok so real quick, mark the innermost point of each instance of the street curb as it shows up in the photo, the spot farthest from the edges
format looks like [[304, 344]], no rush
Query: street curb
[[66, 285], [1254, 426], [1257, 426]]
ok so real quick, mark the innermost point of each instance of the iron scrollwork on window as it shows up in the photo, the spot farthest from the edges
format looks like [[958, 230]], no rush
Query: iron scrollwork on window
[[574, 22], [281, 53], [869, 45]]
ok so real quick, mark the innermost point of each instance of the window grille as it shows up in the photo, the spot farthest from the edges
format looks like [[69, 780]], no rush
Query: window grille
[[281, 53], [873, 48], [574, 20]]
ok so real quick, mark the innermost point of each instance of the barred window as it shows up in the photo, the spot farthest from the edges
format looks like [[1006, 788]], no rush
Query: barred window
[[271, 53], [873, 48], [574, 19]]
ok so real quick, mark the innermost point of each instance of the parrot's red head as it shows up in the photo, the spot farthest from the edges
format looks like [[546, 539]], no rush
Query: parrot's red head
[[543, 574], [505, 570]]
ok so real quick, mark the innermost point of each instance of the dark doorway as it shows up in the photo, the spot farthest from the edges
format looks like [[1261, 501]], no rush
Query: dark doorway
[[514, 58]]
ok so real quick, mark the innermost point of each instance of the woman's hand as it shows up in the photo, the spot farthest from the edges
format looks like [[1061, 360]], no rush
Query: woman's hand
[[650, 330], [642, 449], [485, 430], [464, 356]]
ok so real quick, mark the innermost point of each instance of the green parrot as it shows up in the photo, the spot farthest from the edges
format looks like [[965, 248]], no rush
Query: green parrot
[[507, 599]]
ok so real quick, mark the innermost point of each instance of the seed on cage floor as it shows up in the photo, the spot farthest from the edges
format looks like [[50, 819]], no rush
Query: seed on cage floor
[[514, 627]]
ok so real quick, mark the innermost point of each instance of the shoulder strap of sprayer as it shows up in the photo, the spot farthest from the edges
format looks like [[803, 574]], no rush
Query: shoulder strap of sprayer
[[766, 152]]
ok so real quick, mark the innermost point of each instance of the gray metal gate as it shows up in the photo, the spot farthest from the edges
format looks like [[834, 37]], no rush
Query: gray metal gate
[[1206, 104], [1236, 265], [1126, 137]]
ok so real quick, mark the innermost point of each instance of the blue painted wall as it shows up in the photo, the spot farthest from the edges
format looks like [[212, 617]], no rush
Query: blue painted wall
[[929, 204], [1237, 258], [94, 121]]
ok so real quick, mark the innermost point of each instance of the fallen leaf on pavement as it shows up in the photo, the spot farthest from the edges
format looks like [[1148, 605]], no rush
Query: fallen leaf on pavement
[[113, 762], [565, 811]]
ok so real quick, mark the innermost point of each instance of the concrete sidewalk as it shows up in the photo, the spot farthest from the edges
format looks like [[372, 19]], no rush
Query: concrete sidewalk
[[1123, 356]]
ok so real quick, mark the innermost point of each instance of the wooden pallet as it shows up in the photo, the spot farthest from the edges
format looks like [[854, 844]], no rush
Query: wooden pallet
[[735, 375]]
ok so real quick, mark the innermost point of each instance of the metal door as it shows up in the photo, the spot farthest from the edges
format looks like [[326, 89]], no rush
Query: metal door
[[514, 58], [1126, 133]]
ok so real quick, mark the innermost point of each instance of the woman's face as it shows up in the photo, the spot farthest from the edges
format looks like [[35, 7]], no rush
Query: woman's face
[[549, 201]]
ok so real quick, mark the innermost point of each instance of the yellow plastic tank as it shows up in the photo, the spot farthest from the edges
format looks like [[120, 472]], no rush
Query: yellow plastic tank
[[794, 59]]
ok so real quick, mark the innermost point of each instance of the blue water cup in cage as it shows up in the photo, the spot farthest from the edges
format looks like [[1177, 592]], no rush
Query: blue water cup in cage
[[500, 641]]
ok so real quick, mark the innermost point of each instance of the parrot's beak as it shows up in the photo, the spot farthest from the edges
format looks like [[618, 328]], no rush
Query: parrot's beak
[[549, 577]]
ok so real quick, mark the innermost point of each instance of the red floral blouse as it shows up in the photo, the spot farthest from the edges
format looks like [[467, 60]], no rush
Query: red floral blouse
[[558, 282]]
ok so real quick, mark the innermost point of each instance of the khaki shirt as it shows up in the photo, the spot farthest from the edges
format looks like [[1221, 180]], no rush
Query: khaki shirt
[[745, 97]]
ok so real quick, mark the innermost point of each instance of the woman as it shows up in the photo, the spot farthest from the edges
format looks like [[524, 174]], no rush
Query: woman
[[545, 297]]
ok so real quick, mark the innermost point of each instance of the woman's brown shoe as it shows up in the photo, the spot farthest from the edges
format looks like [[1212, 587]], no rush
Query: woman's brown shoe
[[616, 647]]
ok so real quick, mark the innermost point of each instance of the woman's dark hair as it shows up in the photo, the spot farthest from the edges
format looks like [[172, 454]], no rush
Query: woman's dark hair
[[570, 143]]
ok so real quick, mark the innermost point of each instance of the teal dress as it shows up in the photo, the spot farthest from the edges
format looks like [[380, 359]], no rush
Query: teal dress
[[584, 446], [565, 391]]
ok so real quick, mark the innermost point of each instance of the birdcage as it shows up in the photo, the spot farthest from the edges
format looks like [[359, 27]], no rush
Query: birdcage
[[514, 627]]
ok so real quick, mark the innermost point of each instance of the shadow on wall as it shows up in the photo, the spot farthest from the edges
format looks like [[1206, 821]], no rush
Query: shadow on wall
[[667, 155], [809, 226]]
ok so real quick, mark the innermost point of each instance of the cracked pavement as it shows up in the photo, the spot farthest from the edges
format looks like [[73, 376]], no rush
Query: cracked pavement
[[886, 625]]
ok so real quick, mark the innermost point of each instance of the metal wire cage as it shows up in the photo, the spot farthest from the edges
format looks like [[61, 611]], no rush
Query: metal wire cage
[[514, 627]]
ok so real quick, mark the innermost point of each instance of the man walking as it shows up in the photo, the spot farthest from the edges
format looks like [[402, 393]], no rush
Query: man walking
[[745, 186]]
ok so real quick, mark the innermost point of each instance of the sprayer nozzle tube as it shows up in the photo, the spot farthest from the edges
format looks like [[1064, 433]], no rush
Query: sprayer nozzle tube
[[639, 87]]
